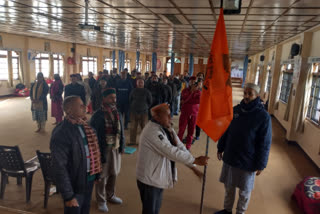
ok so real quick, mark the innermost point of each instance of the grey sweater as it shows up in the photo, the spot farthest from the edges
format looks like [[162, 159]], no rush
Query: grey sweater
[[140, 101]]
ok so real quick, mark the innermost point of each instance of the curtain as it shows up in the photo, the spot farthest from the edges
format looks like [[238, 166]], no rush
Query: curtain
[[121, 60], [303, 103], [276, 102], [137, 61], [191, 62], [113, 59], [245, 68], [288, 108], [154, 61], [172, 63]]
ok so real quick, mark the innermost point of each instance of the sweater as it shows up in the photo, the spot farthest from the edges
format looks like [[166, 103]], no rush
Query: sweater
[[75, 90], [246, 143], [140, 101]]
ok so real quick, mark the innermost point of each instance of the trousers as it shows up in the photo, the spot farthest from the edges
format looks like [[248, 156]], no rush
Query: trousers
[[151, 198], [243, 202], [184, 121], [84, 201], [137, 120]]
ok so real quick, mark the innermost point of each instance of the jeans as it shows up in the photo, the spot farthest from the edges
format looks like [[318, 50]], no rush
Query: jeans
[[124, 110], [151, 198], [177, 104], [84, 201]]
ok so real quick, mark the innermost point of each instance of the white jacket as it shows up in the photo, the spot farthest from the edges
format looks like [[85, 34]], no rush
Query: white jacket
[[154, 155]]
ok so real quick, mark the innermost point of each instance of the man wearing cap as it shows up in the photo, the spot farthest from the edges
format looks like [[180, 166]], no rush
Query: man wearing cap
[[190, 100], [108, 124], [75, 89], [159, 149], [244, 149], [157, 92]]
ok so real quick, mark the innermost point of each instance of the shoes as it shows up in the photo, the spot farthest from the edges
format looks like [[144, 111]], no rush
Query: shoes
[[197, 138], [176, 114], [115, 200], [223, 212], [184, 141], [193, 140], [103, 207]]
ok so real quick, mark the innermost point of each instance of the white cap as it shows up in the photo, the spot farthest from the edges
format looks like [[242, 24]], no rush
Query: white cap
[[253, 86]]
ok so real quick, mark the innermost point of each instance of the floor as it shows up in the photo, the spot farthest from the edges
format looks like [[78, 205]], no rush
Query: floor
[[272, 194]]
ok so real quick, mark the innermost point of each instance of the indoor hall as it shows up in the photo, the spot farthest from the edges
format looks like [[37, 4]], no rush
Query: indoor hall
[[273, 44]]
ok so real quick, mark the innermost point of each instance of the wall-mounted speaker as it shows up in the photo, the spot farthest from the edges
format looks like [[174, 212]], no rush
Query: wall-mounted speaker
[[249, 61], [72, 50], [262, 58], [295, 50]]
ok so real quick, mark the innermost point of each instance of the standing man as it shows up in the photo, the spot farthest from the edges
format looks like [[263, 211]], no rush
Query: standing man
[[167, 90], [92, 81], [107, 122], [156, 91], [112, 82], [75, 157], [124, 88], [244, 149], [140, 102], [190, 101], [75, 89], [159, 149], [178, 84]]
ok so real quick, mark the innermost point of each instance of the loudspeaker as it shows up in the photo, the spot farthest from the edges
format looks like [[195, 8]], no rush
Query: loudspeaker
[[262, 58], [295, 50], [73, 50], [249, 61]]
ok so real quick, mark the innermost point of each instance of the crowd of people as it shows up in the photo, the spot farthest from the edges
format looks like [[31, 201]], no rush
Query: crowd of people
[[88, 153]]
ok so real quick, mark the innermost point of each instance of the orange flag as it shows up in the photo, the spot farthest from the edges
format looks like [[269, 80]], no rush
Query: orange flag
[[216, 111]]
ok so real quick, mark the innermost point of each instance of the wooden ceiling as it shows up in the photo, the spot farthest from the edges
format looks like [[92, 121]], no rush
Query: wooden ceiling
[[163, 26]]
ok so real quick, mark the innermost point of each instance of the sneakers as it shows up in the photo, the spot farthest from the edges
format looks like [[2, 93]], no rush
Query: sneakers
[[103, 207], [115, 200], [197, 138], [223, 212]]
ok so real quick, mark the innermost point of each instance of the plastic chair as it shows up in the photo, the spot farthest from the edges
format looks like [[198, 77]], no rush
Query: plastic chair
[[12, 165], [46, 168]]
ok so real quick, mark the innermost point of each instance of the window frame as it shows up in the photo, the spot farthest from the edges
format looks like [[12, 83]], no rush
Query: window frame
[[89, 59], [314, 95], [269, 79], [56, 57], [17, 72], [41, 59], [2, 56], [287, 71]]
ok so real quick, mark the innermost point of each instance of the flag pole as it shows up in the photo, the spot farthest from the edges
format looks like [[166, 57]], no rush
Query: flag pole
[[204, 177]]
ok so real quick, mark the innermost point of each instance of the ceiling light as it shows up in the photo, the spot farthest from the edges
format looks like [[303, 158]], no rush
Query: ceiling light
[[231, 6], [40, 32]]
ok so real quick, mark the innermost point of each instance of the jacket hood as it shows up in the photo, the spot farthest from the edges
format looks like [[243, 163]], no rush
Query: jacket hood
[[252, 106]]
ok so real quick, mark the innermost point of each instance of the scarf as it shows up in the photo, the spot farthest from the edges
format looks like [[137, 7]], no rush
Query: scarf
[[95, 156], [37, 91], [173, 142], [250, 106], [112, 125]]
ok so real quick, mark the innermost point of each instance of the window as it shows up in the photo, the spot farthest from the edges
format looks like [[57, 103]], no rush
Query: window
[[140, 66], [58, 64], [314, 104], [127, 64], [42, 64], [4, 74], [15, 65], [89, 64], [148, 66], [286, 86], [269, 78], [108, 64], [257, 79]]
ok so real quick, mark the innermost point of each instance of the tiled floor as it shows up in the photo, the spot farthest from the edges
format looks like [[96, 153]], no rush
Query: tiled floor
[[272, 194]]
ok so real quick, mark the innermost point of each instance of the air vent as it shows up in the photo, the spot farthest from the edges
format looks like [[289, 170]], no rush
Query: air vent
[[173, 19]]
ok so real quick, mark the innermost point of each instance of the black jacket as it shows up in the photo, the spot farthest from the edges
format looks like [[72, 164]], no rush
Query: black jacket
[[178, 84], [98, 123], [69, 160], [92, 83], [167, 91], [157, 93], [75, 90]]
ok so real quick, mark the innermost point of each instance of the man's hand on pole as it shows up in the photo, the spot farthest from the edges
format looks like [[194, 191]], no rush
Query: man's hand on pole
[[201, 160]]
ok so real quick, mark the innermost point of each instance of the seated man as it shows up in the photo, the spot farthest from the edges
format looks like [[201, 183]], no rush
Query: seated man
[[76, 157], [159, 148]]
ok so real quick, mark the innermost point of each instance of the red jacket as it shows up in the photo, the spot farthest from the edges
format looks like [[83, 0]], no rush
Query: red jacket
[[191, 101]]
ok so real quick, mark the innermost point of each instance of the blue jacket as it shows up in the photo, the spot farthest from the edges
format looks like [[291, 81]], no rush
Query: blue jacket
[[124, 88], [246, 143]]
